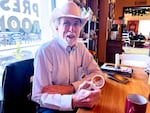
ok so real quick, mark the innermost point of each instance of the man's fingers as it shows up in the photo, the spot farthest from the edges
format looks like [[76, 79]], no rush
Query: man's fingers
[[85, 85]]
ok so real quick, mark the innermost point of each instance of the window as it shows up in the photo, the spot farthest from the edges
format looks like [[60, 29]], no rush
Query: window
[[24, 25], [59, 4], [144, 27]]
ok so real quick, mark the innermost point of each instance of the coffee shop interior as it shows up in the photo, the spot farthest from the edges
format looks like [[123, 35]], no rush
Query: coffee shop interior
[[114, 27]]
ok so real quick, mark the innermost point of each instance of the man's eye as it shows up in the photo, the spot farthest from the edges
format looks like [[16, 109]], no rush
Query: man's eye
[[77, 24], [67, 23]]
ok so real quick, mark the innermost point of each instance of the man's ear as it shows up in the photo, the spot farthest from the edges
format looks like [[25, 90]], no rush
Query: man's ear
[[56, 28]]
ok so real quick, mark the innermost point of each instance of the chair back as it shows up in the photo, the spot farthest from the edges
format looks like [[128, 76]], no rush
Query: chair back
[[17, 86]]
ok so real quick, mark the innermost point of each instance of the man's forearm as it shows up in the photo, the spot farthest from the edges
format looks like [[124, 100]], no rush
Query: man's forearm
[[57, 89]]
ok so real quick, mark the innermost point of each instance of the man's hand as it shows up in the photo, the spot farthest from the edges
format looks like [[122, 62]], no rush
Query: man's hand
[[57, 89], [84, 97], [84, 85]]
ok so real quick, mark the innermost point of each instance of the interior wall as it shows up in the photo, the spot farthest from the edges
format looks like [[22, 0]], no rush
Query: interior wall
[[126, 3], [129, 17], [144, 23], [130, 3]]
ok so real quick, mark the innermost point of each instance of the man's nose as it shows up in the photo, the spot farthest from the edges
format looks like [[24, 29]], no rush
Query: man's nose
[[71, 27]]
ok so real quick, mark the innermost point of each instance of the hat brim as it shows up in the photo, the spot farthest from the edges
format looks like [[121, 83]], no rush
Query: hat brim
[[82, 19]]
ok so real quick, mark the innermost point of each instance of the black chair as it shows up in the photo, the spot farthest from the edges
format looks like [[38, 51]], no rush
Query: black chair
[[17, 86]]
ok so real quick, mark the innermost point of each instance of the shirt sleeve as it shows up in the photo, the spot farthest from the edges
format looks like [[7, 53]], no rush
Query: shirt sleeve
[[56, 101], [42, 78]]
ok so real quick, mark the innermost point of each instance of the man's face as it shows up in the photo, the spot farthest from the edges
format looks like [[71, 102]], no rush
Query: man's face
[[69, 29]]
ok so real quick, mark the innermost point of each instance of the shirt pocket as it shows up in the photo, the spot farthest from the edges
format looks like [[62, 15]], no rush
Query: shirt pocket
[[81, 73]]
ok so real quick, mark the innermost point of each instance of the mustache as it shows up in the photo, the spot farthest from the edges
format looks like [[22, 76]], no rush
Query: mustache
[[70, 34]]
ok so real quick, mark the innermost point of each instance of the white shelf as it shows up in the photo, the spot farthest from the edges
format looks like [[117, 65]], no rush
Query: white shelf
[[84, 41]]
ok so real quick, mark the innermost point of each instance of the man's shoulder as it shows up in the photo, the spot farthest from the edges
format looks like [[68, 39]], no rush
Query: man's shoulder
[[81, 45], [46, 46]]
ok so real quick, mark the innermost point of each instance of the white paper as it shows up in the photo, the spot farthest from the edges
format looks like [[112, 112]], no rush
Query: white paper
[[117, 60]]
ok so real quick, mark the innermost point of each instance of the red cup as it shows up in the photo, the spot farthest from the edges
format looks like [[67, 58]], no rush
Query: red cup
[[135, 104]]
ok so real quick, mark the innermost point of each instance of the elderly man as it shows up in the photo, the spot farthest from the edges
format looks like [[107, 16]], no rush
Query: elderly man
[[64, 66]]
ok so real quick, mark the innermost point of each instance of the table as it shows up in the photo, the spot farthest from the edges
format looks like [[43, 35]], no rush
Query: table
[[112, 99]]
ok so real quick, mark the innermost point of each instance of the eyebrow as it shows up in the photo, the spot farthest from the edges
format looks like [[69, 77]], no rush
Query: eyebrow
[[79, 20], [76, 19]]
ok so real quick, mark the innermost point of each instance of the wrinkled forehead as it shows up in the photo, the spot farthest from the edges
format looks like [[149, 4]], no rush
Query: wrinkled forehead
[[71, 19]]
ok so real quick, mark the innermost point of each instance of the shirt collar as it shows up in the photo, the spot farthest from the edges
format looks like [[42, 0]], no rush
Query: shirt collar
[[61, 42]]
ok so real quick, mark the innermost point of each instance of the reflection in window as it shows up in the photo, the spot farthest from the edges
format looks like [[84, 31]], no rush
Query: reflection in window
[[24, 25], [59, 4], [22, 29]]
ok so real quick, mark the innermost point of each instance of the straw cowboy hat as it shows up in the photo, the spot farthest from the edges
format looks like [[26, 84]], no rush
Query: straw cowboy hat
[[70, 9]]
